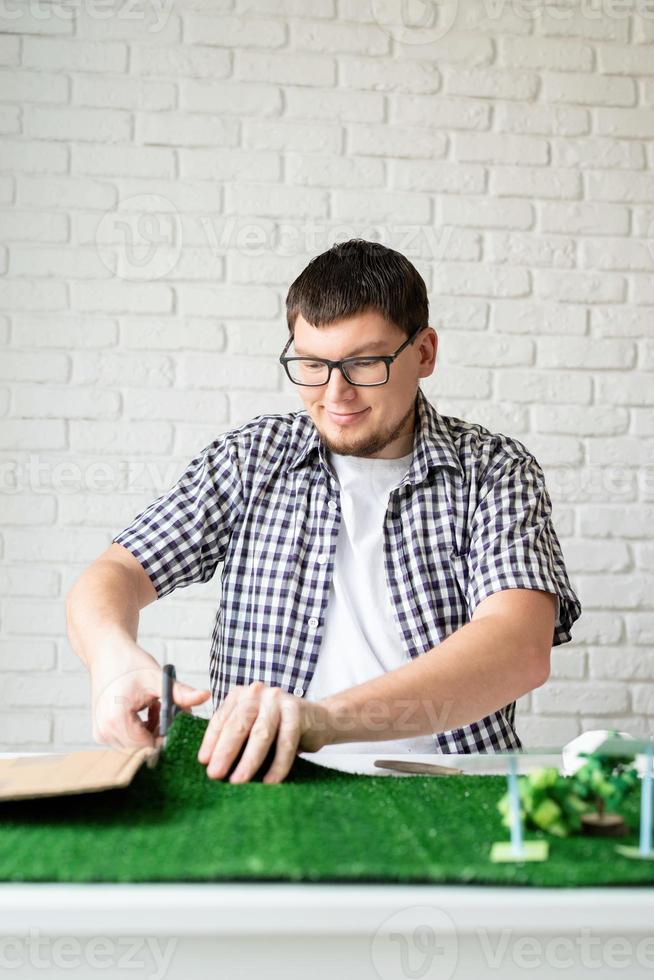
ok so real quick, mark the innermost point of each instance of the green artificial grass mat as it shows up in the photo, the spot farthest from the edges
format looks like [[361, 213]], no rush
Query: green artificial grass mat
[[173, 823]]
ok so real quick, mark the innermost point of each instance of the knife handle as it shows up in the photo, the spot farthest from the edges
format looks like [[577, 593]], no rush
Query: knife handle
[[428, 768], [168, 707]]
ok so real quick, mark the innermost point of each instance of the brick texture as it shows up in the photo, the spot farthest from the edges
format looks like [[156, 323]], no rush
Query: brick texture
[[168, 170]]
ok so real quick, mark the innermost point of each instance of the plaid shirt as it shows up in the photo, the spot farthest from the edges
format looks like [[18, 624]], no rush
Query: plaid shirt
[[472, 516]]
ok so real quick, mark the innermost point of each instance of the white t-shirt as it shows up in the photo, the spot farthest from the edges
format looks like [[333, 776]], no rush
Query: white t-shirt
[[362, 638]]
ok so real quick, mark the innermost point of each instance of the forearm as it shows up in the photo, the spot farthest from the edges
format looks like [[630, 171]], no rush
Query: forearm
[[481, 667], [101, 607]]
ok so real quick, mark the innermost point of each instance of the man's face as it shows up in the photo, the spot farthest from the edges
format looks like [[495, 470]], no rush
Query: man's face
[[383, 429]]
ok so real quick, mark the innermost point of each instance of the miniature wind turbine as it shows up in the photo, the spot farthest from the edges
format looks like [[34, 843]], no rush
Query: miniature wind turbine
[[618, 746], [518, 849]]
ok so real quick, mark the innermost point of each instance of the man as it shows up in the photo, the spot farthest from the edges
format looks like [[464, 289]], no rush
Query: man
[[391, 576]]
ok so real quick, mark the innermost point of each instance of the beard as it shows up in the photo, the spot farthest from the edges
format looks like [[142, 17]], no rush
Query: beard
[[370, 443]]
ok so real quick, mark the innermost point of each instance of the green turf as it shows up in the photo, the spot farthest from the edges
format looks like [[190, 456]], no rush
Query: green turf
[[175, 824]]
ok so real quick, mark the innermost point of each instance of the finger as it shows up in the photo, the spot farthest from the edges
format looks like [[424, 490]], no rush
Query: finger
[[231, 742], [134, 733], [261, 737], [125, 729], [154, 714], [219, 718], [116, 701], [234, 732], [215, 725], [185, 695], [288, 741]]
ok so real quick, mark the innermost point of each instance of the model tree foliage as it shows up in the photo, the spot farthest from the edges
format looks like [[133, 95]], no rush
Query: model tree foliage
[[556, 803], [606, 781]]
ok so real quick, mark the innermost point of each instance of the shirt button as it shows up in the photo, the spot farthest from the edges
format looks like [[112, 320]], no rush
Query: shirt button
[[298, 691], [313, 622], [321, 559], [332, 505]]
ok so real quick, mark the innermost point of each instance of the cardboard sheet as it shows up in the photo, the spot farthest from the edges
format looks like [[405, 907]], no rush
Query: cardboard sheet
[[30, 776]]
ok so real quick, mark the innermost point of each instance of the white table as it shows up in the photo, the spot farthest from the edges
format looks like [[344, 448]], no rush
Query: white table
[[271, 930], [325, 931]]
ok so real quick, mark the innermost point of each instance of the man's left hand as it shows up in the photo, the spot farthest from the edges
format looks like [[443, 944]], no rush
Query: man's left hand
[[258, 714]]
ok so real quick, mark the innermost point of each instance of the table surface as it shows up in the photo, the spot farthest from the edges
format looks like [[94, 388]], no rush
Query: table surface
[[317, 909], [230, 908], [363, 763], [292, 929]]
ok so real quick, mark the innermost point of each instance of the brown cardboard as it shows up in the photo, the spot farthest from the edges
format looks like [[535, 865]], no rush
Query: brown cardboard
[[31, 776]]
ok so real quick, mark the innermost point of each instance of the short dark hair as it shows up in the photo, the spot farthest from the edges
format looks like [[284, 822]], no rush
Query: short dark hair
[[354, 276]]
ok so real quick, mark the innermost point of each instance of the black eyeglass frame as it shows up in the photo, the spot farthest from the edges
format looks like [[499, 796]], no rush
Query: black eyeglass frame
[[386, 358]]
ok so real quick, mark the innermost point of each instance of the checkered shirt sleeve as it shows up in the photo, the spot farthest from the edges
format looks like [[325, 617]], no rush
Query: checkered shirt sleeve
[[513, 544], [182, 535]]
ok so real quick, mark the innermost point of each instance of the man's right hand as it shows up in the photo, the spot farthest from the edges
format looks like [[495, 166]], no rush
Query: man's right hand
[[124, 682]]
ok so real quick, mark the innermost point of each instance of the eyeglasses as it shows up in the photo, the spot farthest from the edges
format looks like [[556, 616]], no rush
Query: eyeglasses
[[364, 371]]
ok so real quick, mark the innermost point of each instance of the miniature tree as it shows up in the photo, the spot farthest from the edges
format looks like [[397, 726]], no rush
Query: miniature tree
[[548, 802], [604, 782], [562, 805]]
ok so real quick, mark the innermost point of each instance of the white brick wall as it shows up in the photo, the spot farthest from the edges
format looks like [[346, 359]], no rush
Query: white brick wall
[[509, 154]]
